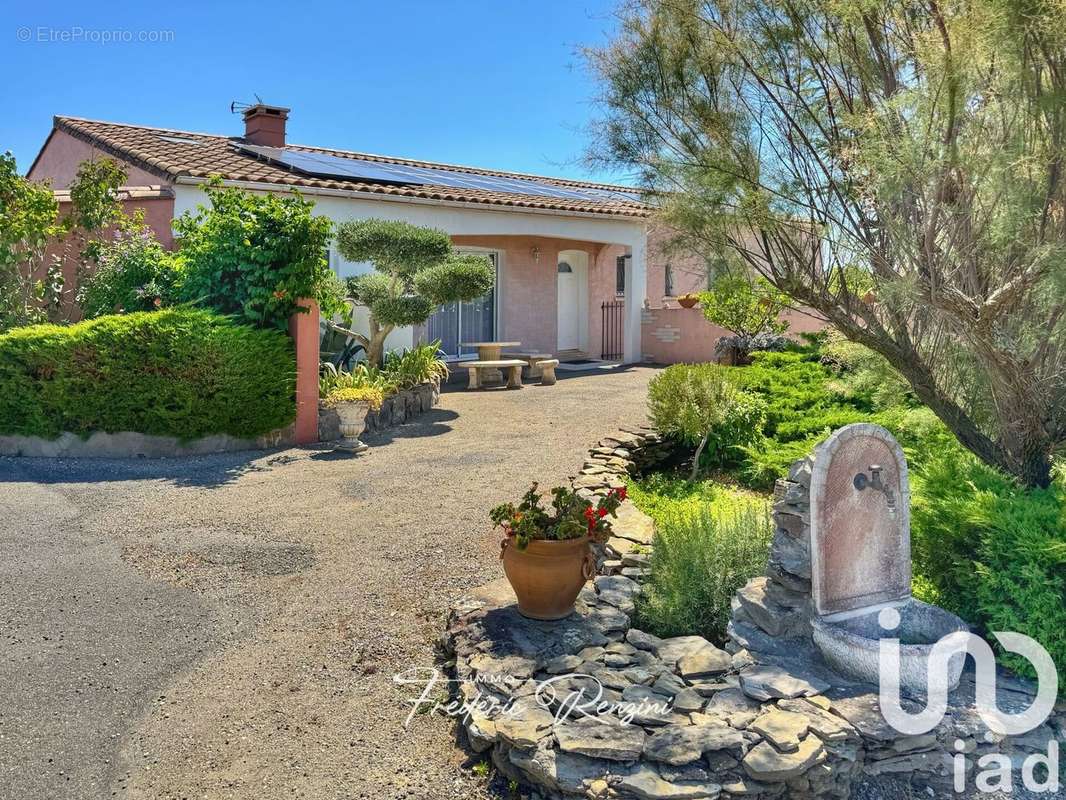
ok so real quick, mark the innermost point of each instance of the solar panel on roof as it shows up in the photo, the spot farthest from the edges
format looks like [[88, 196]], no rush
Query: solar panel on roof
[[330, 166]]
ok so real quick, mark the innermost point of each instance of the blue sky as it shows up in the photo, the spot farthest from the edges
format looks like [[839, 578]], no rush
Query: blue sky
[[494, 84]]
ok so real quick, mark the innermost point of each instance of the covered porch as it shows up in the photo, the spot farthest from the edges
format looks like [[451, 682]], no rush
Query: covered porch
[[554, 273], [560, 296]]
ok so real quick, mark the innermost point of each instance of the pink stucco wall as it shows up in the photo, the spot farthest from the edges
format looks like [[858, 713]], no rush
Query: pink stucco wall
[[527, 291], [689, 268], [683, 335], [61, 155], [678, 336]]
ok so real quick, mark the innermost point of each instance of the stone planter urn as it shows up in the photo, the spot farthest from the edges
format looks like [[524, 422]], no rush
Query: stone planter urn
[[352, 420], [548, 575]]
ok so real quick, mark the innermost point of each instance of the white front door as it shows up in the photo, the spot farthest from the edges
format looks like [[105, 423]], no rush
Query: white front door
[[569, 334]]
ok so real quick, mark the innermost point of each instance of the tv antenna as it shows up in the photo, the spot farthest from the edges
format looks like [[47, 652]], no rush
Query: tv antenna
[[237, 106]]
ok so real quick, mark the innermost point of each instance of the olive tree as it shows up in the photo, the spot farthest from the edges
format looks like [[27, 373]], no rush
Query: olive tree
[[415, 270], [896, 166]]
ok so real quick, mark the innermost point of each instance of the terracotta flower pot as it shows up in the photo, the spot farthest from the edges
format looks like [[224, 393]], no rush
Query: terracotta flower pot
[[548, 575], [687, 302]]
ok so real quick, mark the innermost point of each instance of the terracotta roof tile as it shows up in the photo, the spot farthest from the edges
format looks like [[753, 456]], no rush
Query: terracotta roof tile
[[174, 154]]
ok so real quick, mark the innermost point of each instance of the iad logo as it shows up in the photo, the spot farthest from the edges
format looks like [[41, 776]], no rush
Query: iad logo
[[939, 671]]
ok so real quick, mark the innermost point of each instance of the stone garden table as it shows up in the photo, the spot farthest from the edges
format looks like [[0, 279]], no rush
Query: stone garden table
[[490, 351]]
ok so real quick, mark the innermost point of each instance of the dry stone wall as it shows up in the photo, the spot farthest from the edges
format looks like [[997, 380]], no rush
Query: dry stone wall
[[762, 718]]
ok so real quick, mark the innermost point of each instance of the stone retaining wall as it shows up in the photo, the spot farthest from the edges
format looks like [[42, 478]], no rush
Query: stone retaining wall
[[128, 444], [762, 718], [396, 410]]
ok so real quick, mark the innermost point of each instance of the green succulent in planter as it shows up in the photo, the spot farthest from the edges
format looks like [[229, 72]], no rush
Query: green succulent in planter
[[370, 395], [570, 516]]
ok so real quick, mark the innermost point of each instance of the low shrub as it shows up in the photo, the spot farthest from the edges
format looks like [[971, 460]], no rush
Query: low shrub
[[370, 395], [992, 551], [700, 405], [401, 370], [863, 375], [255, 255], [710, 542], [182, 373], [133, 273]]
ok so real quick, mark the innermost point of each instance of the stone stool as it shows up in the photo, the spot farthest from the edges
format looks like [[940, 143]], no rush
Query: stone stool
[[547, 371]]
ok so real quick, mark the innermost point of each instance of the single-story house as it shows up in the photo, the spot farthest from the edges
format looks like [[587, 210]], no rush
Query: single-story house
[[580, 270]]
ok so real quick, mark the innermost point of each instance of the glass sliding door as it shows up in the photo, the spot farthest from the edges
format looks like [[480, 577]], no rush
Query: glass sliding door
[[475, 321]]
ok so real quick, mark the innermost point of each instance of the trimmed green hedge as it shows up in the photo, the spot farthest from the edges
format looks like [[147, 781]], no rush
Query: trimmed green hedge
[[183, 373]]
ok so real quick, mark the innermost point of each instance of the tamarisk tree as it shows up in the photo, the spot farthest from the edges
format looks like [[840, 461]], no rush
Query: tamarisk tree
[[896, 166], [415, 270]]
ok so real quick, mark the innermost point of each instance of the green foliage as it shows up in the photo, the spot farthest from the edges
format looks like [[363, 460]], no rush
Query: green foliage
[[133, 273], [254, 256], [710, 542], [416, 271], [984, 547], [388, 307], [570, 516], [361, 375], [686, 400], [401, 370], [94, 193], [700, 405], [176, 373], [897, 167], [394, 248], [419, 364], [745, 307], [992, 551], [864, 376], [464, 276], [32, 287], [371, 395]]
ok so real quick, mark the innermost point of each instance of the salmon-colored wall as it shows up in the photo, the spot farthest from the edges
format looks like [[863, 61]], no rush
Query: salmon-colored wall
[[689, 268], [62, 154], [528, 287], [158, 213], [684, 336], [678, 336]]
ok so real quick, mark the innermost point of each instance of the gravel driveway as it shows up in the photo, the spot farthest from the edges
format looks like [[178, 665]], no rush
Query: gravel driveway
[[229, 626]]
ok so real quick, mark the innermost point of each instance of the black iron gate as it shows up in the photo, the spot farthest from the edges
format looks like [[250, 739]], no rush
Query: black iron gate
[[612, 329]]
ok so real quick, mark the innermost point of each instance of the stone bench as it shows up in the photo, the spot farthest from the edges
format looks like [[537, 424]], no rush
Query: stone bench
[[512, 365], [532, 359], [547, 371]]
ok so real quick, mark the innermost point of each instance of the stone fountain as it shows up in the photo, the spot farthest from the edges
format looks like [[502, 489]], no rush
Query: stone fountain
[[861, 561]]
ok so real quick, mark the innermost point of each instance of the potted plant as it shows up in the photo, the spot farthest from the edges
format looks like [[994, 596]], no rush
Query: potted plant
[[688, 300], [545, 552], [352, 405]]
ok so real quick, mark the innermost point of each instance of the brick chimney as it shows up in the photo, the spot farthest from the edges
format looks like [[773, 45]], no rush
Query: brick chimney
[[265, 125]]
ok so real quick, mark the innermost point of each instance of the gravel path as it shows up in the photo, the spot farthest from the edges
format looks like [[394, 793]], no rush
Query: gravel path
[[229, 626]]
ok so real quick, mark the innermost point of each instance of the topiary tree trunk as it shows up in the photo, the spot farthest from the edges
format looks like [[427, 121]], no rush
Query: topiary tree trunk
[[416, 270]]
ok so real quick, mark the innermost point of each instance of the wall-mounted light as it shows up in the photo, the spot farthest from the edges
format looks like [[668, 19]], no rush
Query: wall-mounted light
[[535, 252]]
